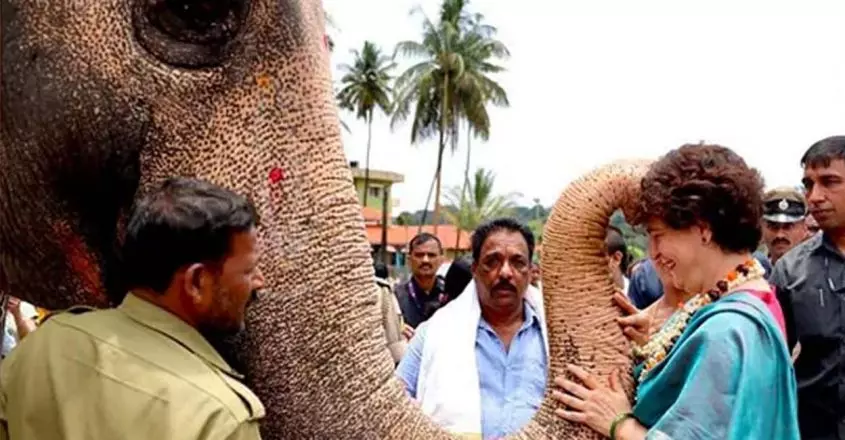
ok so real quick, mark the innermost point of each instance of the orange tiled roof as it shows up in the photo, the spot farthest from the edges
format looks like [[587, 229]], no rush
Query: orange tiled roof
[[399, 236]]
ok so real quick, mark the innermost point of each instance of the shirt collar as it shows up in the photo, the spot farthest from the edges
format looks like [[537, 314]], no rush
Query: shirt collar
[[168, 324], [530, 318], [821, 242]]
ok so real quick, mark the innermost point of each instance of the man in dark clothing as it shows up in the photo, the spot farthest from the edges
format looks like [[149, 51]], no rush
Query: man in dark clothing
[[423, 294], [810, 283], [644, 287]]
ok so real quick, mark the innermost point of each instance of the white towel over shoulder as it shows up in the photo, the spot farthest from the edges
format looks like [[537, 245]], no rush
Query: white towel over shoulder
[[448, 384]]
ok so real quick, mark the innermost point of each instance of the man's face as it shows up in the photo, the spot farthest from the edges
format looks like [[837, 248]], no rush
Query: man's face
[[826, 194], [425, 259], [503, 271], [535, 275], [233, 287], [614, 263], [781, 237]]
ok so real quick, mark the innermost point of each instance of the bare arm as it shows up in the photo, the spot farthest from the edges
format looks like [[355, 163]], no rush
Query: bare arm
[[25, 325], [630, 429]]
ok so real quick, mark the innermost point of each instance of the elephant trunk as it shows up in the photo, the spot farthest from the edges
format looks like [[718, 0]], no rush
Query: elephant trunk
[[577, 285]]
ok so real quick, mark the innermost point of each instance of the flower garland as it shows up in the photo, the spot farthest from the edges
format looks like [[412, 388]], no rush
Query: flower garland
[[659, 346]]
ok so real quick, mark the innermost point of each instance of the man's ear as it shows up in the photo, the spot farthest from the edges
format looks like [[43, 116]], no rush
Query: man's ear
[[617, 257], [193, 280]]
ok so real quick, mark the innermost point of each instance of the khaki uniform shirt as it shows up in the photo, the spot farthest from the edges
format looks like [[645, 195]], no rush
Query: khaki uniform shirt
[[132, 373], [391, 316]]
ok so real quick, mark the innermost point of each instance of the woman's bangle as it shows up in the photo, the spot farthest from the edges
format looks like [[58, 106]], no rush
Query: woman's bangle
[[616, 421]]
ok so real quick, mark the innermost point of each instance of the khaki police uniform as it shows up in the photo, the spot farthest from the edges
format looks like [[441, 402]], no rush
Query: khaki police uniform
[[136, 372]]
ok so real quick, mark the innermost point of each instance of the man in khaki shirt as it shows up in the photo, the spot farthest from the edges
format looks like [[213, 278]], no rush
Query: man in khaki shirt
[[144, 370]]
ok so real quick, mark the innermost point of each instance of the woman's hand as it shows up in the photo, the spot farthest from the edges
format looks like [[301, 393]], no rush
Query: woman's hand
[[592, 404], [407, 332], [637, 325]]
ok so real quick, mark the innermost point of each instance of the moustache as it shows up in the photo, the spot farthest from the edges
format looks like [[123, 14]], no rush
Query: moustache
[[504, 285], [779, 241]]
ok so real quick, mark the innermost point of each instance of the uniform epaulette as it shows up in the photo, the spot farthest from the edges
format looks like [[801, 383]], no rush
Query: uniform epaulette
[[75, 310]]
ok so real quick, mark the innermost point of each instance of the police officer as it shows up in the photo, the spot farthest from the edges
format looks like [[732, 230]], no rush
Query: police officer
[[147, 370], [784, 210]]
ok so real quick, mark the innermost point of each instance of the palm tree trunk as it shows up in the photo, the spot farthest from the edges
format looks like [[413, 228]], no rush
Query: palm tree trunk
[[438, 174], [442, 147], [367, 169], [427, 201], [385, 195], [465, 185]]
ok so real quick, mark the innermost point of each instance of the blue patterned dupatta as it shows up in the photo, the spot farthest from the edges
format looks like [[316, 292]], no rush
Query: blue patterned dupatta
[[729, 376]]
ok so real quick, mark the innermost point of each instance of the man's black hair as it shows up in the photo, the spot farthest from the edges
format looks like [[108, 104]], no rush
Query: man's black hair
[[824, 151], [184, 221], [457, 277], [615, 242], [423, 238], [510, 224], [381, 270]]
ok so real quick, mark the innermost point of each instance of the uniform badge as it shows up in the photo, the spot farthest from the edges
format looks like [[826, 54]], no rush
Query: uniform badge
[[783, 205]]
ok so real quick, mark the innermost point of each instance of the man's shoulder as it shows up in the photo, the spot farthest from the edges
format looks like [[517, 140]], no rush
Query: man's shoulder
[[381, 282], [401, 289], [137, 357], [798, 256]]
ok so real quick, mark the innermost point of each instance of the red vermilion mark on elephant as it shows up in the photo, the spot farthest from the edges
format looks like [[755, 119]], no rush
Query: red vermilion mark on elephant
[[263, 80], [326, 41], [277, 175], [80, 259]]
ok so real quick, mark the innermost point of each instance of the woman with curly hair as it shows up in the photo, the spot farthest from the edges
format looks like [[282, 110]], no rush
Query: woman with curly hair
[[718, 368]]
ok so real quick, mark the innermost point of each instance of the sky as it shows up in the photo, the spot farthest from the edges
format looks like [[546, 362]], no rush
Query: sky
[[593, 81]]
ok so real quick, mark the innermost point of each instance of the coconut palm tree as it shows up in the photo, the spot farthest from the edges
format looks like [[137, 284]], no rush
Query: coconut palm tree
[[450, 83], [482, 36], [365, 86], [481, 204]]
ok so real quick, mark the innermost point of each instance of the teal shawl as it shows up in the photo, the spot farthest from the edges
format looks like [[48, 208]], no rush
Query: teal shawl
[[729, 377]]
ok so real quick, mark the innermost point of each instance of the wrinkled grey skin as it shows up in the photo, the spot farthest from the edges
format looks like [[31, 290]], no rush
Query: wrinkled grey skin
[[103, 99]]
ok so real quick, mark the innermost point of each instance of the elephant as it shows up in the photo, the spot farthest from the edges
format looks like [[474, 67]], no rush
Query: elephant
[[102, 100]]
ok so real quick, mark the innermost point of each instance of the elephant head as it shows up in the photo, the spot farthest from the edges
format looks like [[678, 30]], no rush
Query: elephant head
[[101, 100]]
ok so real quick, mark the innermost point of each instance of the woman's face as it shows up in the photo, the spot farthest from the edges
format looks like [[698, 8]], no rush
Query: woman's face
[[677, 253]]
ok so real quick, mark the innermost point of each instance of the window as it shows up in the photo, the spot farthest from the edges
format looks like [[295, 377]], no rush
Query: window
[[375, 191]]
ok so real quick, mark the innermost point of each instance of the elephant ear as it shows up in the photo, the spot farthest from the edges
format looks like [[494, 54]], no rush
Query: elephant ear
[[577, 286]]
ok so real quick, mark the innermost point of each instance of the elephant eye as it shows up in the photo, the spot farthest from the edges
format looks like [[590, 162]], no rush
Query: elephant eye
[[197, 21], [189, 33]]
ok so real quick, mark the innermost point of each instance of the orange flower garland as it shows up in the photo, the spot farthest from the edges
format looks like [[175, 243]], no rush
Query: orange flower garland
[[658, 347]]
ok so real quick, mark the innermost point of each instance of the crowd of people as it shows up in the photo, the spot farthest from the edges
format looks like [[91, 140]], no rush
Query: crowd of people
[[739, 284], [731, 339]]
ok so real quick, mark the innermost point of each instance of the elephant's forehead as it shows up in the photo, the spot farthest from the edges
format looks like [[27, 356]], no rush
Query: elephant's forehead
[[98, 38]]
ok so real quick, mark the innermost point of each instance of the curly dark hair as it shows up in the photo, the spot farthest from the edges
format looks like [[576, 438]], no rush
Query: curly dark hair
[[706, 184]]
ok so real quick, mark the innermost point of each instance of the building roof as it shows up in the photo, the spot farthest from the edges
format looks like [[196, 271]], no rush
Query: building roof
[[399, 236], [377, 175]]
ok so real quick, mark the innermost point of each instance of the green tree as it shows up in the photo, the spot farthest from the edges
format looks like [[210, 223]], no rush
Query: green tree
[[481, 90], [449, 82], [365, 86], [481, 204]]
